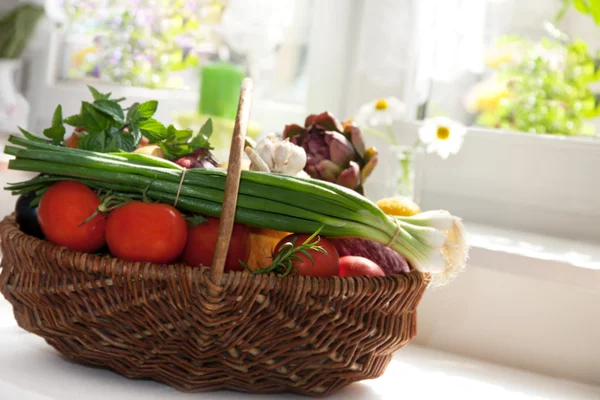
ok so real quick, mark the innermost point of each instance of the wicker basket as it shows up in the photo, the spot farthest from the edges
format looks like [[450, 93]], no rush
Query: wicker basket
[[199, 329]]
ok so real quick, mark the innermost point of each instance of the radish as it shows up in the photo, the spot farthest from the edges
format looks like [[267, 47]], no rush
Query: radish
[[359, 266]]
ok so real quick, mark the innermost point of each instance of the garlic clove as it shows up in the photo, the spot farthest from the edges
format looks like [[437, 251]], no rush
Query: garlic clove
[[265, 148], [258, 163], [282, 153], [297, 160]]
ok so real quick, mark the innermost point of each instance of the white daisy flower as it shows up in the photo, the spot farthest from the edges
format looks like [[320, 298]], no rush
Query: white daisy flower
[[442, 135], [380, 112]]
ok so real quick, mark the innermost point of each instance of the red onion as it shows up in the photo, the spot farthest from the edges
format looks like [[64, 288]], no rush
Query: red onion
[[390, 262]]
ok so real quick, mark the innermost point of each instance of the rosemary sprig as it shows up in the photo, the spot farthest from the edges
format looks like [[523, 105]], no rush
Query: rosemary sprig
[[284, 257]]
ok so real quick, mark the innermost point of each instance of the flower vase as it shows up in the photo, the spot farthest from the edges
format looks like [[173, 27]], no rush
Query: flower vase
[[405, 171]]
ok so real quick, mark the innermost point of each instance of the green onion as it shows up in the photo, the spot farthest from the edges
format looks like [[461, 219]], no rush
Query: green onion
[[272, 201]]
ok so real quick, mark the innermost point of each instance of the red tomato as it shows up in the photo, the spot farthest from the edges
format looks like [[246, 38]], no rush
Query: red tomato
[[146, 232], [72, 141], [143, 142], [359, 266], [202, 240], [62, 211], [324, 265]]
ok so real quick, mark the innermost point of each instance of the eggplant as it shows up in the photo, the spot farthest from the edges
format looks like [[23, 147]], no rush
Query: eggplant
[[26, 216]]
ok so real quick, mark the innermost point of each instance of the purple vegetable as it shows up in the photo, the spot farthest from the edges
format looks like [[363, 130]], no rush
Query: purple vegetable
[[201, 158], [390, 262]]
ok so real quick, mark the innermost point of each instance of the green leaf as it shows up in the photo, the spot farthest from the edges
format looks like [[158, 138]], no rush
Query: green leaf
[[56, 133], [75, 120], [33, 136], [94, 120], [110, 108], [207, 128], [595, 10], [178, 135], [581, 6], [133, 113], [97, 95], [136, 134], [57, 116], [153, 130], [175, 150], [93, 141], [119, 140], [194, 220], [148, 109]]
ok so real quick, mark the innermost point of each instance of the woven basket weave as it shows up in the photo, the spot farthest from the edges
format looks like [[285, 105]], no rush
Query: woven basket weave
[[171, 323]]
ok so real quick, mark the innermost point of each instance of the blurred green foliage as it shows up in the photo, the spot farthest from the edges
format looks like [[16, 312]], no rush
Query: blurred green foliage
[[16, 28], [547, 87], [587, 7]]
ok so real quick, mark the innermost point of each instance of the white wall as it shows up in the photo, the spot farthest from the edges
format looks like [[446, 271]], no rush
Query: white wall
[[512, 319]]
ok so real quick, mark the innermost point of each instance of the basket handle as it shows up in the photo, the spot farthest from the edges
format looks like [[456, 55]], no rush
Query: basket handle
[[232, 184]]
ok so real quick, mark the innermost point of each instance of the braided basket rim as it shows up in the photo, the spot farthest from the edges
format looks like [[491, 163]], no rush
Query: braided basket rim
[[108, 264]]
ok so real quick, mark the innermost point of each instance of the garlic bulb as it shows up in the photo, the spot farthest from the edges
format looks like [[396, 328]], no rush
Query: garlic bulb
[[271, 154]]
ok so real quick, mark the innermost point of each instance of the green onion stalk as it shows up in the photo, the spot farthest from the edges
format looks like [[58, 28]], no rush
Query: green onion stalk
[[432, 242]]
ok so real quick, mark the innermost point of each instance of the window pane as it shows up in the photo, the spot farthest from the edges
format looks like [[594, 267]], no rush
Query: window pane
[[515, 65], [162, 43]]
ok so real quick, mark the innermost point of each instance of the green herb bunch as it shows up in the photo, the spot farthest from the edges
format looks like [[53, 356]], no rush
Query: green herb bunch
[[107, 127]]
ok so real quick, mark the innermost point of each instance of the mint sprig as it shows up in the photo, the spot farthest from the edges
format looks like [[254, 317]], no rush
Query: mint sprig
[[108, 127]]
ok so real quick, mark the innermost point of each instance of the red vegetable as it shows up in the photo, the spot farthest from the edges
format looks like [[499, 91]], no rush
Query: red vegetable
[[201, 158], [324, 264], [202, 239], [146, 232], [388, 260], [359, 266], [62, 212]]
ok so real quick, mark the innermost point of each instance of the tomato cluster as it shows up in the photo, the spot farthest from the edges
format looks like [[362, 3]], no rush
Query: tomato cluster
[[136, 231]]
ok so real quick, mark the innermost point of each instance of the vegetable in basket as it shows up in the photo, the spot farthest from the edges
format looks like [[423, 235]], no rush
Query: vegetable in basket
[[359, 266], [202, 238], [431, 242], [335, 152], [152, 232], [27, 217], [64, 215]]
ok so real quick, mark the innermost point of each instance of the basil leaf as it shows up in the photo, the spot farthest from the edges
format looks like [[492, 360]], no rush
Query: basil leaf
[[56, 133], [97, 95], [178, 135], [93, 141], [94, 120], [148, 108], [75, 120], [33, 136], [133, 113], [119, 140], [136, 134], [110, 108], [57, 116], [175, 150], [153, 130], [207, 128]]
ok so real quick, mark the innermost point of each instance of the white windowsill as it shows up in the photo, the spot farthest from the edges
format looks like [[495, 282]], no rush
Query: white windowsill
[[31, 370], [559, 260]]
